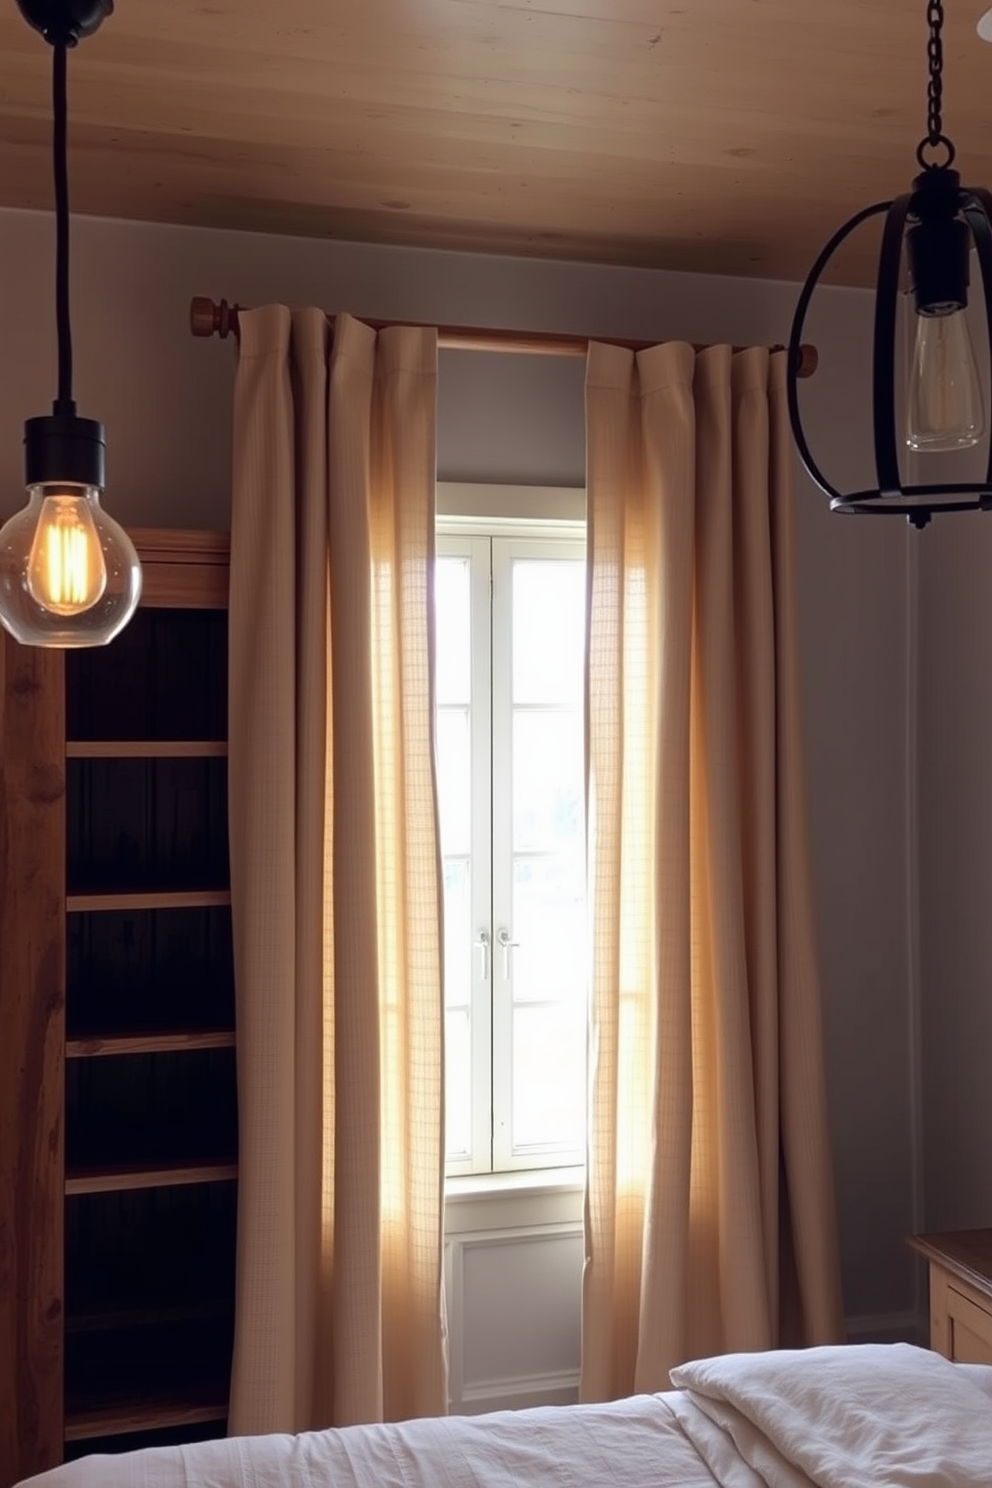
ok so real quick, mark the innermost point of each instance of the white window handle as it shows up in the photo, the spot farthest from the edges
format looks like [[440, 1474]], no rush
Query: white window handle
[[503, 936], [483, 943]]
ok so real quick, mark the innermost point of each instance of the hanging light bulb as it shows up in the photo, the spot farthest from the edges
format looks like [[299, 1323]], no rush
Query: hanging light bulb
[[944, 405], [69, 574], [944, 409], [66, 571], [937, 224]]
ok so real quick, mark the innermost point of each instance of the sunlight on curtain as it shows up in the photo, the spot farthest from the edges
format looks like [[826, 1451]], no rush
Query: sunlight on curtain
[[709, 1182], [335, 876]]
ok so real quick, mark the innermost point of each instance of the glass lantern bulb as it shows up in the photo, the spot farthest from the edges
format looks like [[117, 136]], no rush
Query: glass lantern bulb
[[69, 574], [944, 407]]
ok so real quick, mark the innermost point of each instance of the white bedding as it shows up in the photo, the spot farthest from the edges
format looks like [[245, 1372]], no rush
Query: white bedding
[[840, 1418], [892, 1416], [632, 1443]]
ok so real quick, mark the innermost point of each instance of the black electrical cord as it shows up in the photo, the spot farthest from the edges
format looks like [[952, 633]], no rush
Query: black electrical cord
[[63, 448], [60, 148]]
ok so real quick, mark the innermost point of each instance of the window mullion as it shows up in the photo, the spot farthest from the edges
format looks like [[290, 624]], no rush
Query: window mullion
[[484, 967], [502, 736]]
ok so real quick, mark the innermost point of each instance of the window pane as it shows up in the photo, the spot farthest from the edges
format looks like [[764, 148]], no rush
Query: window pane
[[549, 1077], [457, 1085], [547, 781], [457, 933], [454, 780], [549, 925], [549, 600], [454, 630]]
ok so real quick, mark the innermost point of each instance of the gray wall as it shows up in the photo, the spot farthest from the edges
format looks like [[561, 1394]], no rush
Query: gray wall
[[165, 399], [955, 734]]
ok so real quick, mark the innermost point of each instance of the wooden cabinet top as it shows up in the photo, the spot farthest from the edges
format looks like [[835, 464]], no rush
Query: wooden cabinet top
[[966, 1254]]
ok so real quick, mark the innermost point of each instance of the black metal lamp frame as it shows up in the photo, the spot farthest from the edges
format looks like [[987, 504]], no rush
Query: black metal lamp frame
[[891, 496], [943, 215]]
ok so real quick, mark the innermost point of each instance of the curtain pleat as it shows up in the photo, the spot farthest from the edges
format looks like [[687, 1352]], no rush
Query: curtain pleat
[[335, 875], [262, 771], [702, 1136]]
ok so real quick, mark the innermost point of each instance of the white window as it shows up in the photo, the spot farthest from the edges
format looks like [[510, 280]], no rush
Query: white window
[[510, 645]]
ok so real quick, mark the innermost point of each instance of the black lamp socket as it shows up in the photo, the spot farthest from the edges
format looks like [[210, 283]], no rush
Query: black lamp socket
[[63, 449], [938, 244], [65, 21]]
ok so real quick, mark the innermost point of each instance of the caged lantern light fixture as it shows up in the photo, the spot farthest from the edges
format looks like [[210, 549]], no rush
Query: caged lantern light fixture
[[938, 222], [69, 574]]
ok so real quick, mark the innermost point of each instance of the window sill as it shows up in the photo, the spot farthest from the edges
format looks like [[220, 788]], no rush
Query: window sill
[[521, 1201], [534, 1181]]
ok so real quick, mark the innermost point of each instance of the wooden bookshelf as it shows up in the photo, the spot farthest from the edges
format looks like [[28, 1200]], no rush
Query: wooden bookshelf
[[118, 1119]]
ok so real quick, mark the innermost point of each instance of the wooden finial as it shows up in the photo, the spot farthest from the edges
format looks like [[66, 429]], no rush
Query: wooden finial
[[209, 319], [807, 361]]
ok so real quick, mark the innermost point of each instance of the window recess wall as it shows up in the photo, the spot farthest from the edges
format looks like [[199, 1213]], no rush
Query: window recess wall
[[513, 1215]]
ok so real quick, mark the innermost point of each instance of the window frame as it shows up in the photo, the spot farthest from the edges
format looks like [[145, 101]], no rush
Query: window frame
[[520, 519]]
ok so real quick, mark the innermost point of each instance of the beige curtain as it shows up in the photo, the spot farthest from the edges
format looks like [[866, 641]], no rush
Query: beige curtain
[[335, 875], [709, 1211]]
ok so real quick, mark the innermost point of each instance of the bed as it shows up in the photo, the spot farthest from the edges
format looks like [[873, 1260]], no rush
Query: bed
[[890, 1415]]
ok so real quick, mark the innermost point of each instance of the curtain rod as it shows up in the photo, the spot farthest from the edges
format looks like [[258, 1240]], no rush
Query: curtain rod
[[208, 318]]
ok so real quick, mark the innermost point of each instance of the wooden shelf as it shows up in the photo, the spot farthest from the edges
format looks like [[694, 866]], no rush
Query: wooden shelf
[[150, 899], [117, 1318], [145, 749], [181, 545], [164, 1175], [148, 1043], [123, 1418]]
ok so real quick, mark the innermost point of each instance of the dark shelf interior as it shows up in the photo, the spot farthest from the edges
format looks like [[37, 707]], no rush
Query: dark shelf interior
[[149, 1251], [137, 825], [146, 1109], [149, 1272], [149, 1292], [149, 971], [163, 677], [166, 1360]]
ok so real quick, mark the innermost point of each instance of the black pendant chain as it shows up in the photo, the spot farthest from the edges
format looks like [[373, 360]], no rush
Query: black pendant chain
[[935, 136]]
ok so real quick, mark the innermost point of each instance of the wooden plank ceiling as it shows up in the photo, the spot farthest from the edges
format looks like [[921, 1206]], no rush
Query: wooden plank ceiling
[[729, 136]]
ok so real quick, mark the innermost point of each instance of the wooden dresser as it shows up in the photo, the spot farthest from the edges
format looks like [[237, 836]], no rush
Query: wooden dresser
[[960, 1264]]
